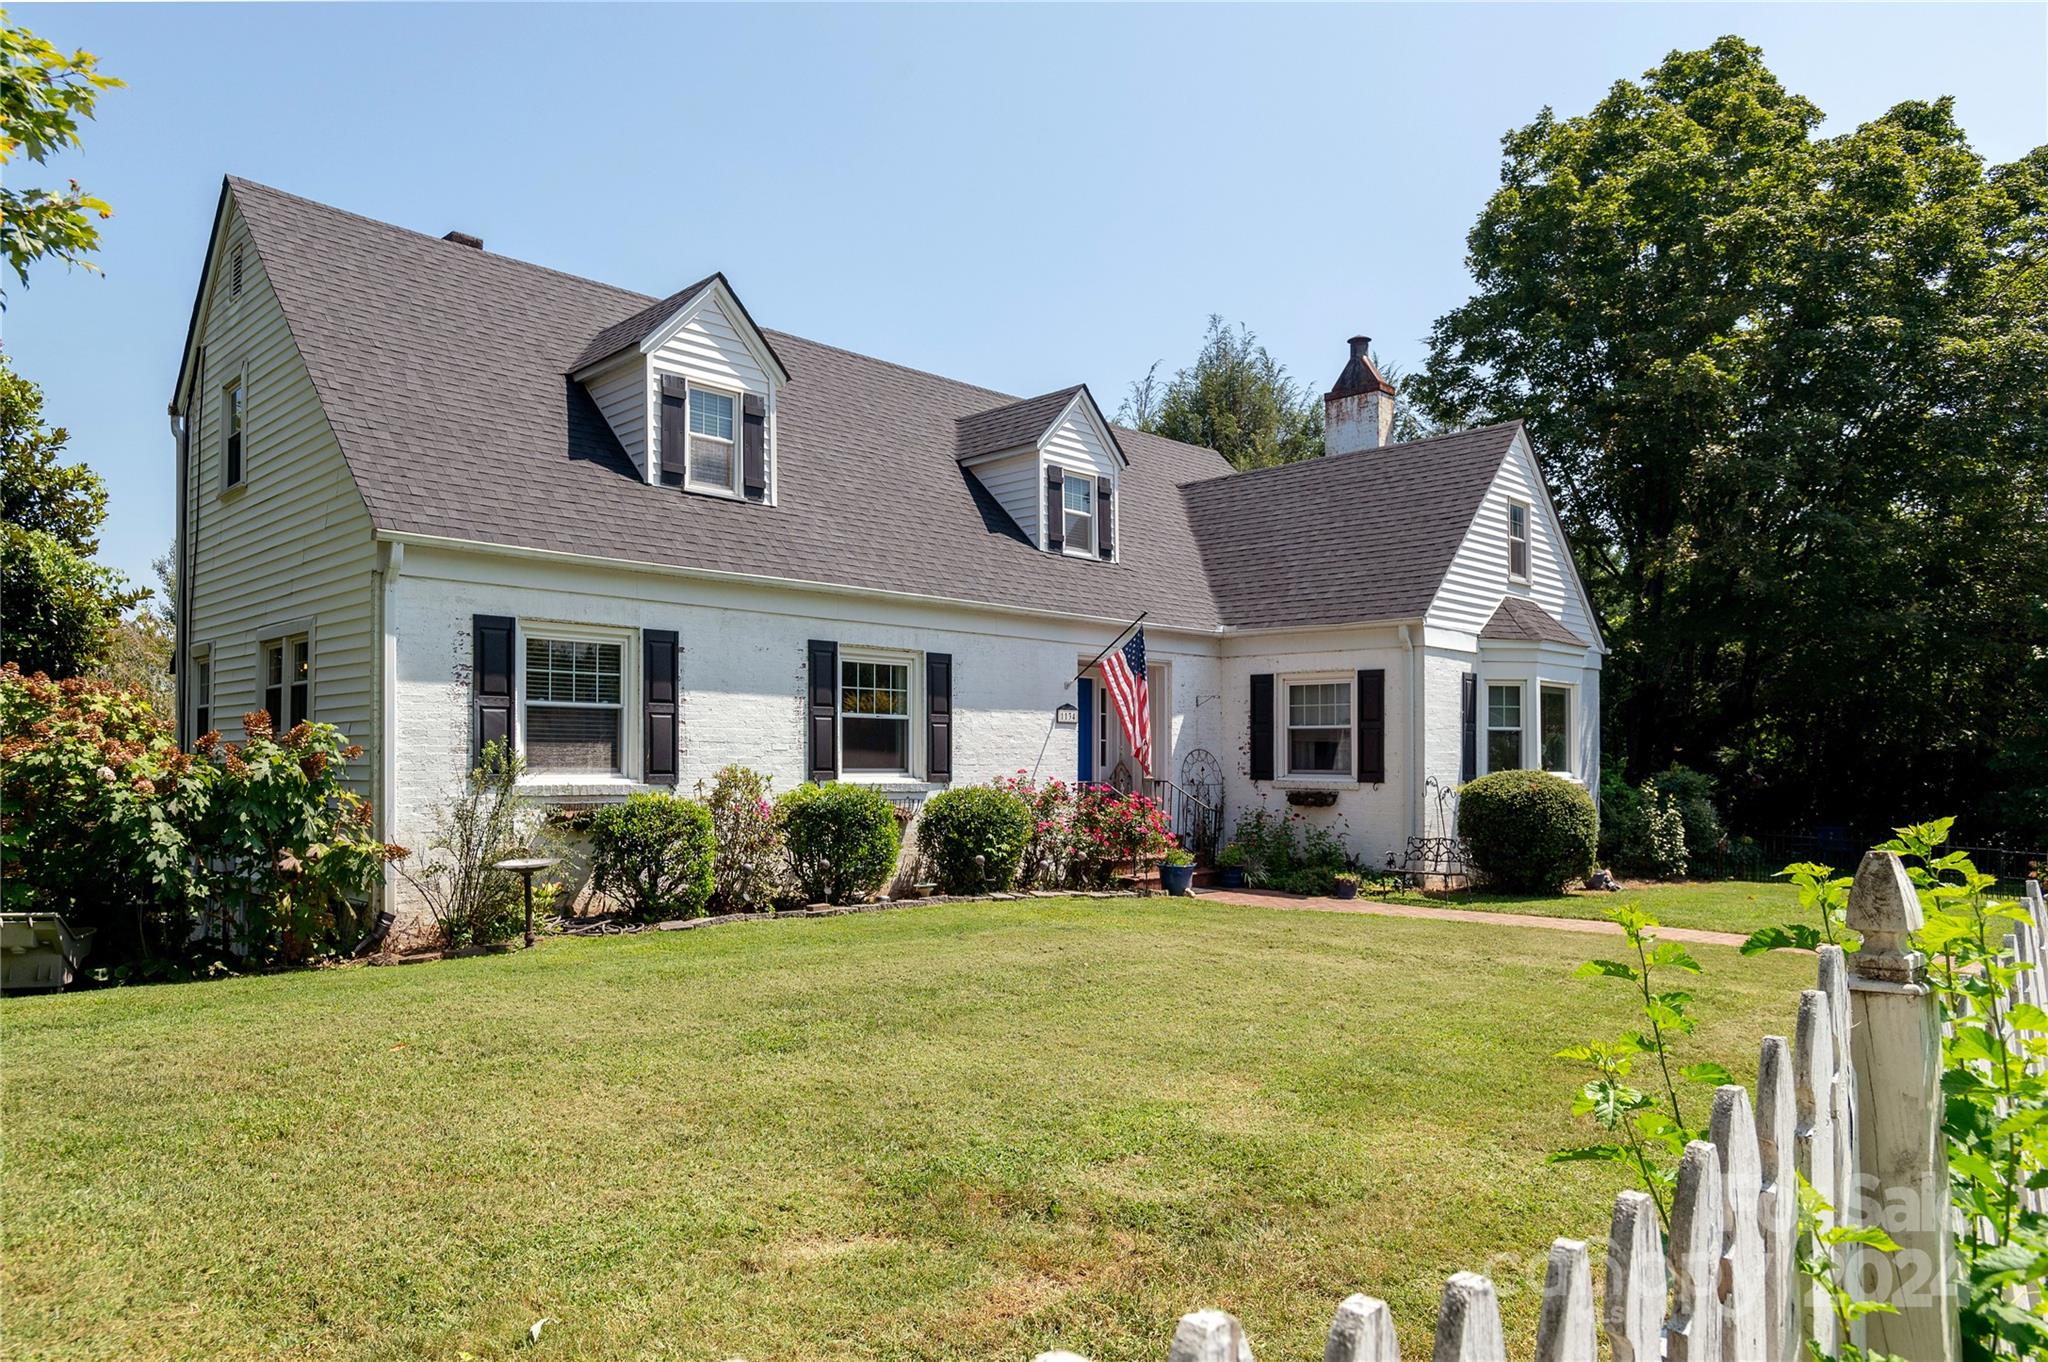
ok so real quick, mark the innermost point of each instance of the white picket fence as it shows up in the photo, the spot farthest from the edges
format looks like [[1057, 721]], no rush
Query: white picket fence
[[1725, 1286]]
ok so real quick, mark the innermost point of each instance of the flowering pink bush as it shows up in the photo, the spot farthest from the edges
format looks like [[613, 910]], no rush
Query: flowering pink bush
[[1046, 849], [1112, 829]]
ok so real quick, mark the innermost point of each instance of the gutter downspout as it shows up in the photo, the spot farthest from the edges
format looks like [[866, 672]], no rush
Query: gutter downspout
[[1414, 732], [178, 670]]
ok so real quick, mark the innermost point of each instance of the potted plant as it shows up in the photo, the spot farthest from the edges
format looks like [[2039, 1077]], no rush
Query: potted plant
[[1346, 884], [1230, 864], [1177, 871]]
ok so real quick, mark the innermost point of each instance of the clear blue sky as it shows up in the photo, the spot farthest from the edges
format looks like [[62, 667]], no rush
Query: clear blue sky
[[1020, 197]]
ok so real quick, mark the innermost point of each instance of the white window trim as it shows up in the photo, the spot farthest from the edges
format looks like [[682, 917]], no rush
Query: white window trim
[[630, 738], [201, 659], [913, 742], [736, 489], [1570, 691], [282, 638], [1282, 693], [1486, 728], [236, 377], [1067, 548], [1528, 548]]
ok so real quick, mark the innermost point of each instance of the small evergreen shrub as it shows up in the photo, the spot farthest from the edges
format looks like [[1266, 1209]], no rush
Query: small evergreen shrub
[[842, 840], [958, 825], [654, 852], [1528, 831], [748, 871]]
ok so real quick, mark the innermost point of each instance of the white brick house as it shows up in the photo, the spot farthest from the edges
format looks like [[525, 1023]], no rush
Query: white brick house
[[432, 495]]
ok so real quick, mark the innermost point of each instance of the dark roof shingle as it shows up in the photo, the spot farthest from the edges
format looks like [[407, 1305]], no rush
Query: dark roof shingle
[[1523, 621]]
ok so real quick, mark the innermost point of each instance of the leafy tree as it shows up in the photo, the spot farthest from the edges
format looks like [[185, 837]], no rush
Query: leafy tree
[[1792, 396], [43, 96], [62, 607], [1235, 399], [139, 651]]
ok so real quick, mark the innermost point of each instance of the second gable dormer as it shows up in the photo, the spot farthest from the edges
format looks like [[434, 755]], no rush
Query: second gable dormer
[[1055, 465], [690, 387]]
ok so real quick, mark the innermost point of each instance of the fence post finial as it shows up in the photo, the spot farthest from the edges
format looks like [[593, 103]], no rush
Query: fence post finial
[[1468, 1322], [1565, 1330], [1901, 1155], [1209, 1336]]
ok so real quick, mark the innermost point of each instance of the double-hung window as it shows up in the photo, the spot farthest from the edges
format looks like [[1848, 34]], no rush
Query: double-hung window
[[1518, 541], [1554, 728], [874, 716], [1318, 728], [714, 459], [202, 694], [1077, 506], [231, 414], [288, 681], [575, 704], [1504, 728]]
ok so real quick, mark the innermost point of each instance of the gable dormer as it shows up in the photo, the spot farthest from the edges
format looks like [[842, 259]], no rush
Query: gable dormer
[[1055, 465], [690, 386]]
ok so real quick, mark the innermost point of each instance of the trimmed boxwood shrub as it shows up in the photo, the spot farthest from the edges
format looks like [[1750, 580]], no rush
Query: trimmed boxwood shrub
[[975, 820], [842, 840], [654, 852], [1528, 831]]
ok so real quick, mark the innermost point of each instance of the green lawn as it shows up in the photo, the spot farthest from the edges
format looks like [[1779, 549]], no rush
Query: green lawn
[[963, 1130], [1725, 906]]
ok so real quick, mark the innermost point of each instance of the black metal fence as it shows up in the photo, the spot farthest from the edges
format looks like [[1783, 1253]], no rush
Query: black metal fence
[[1761, 858]]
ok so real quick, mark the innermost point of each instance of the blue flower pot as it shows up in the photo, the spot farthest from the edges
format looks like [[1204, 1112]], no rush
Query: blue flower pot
[[1230, 876], [1177, 879]]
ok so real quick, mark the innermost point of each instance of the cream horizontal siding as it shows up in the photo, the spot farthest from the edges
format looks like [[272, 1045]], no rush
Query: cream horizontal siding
[[707, 349], [1075, 443], [622, 395], [292, 549], [1477, 579], [1015, 482]]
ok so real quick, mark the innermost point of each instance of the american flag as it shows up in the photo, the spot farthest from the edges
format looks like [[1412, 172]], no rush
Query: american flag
[[1123, 672]]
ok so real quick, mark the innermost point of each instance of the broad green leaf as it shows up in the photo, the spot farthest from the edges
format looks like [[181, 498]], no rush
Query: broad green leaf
[[1711, 1073], [1611, 969]]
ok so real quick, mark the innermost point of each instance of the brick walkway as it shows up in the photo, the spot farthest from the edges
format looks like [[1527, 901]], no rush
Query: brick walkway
[[1270, 898]]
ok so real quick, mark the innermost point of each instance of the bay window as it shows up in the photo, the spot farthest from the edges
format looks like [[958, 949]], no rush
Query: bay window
[[1504, 728]]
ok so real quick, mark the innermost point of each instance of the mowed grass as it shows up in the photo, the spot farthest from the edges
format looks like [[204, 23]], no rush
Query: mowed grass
[[1720, 906], [951, 1131]]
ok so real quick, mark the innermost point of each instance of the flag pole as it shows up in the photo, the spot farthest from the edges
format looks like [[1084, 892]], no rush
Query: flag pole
[[1112, 643]]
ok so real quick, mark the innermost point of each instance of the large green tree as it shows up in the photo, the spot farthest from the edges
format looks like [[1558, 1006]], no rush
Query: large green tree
[[1235, 399], [58, 609], [44, 95], [1791, 393]]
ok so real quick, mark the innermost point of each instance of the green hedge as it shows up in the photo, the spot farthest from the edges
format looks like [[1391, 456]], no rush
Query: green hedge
[[842, 840], [654, 852], [977, 820], [1528, 831]]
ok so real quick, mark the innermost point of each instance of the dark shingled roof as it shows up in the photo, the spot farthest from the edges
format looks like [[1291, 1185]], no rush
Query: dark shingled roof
[[1013, 425], [1522, 620], [443, 372], [1364, 536], [630, 332]]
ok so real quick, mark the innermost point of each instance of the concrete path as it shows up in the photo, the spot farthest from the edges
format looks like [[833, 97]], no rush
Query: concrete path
[[1272, 898]]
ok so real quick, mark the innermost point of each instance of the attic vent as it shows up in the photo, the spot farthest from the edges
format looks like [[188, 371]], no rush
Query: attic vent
[[475, 243], [235, 274]]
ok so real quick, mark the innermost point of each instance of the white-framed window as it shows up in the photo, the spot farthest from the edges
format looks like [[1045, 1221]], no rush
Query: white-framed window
[[233, 420], [573, 687], [1077, 514], [1318, 716], [1518, 540], [288, 681], [1504, 727], [877, 704], [714, 462], [202, 692], [1554, 728]]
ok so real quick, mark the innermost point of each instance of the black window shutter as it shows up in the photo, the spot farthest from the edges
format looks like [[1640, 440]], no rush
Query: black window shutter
[[659, 701], [1369, 749], [1103, 527], [1262, 726], [1055, 511], [938, 708], [492, 635], [675, 428], [756, 452], [1468, 712], [823, 707]]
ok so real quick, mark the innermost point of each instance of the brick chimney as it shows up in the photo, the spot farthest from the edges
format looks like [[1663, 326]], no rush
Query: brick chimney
[[1359, 412]]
